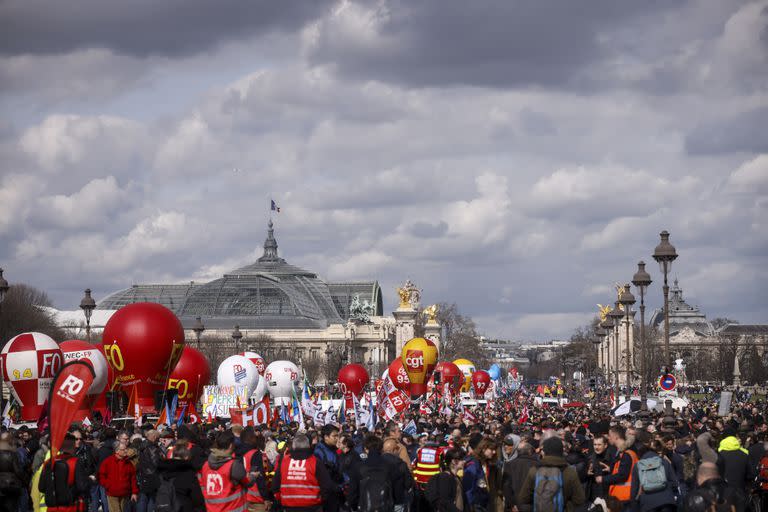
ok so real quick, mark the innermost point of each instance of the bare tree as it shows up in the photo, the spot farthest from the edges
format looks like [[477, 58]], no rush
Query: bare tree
[[719, 322], [313, 368], [22, 312], [459, 338]]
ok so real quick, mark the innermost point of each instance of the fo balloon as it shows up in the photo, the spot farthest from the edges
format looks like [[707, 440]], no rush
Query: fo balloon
[[467, 367], [29, 362], [77, 350], [398, 375], [143, 342], [481, 382], [256, 359], [353, 378], [419, 357], [281, 377], [238, 371], [190, 375]]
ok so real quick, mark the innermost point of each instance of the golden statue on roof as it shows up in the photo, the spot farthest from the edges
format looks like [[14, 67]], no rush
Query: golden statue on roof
[[431, 313]]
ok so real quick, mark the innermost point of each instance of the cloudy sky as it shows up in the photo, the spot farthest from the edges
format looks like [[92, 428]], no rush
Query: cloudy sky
[[517, 158]]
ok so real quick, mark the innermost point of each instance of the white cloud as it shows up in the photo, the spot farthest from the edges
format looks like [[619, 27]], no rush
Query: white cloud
[[752, 175], [89, 207], [15, 204]]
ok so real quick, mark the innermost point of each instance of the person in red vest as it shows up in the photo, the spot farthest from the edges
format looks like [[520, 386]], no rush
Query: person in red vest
[[256, 462], [65, 487], [223, 478], [302, 482]]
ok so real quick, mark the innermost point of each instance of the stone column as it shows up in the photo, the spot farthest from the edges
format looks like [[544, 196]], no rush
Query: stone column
[[405, 323], [432, 332], [623, 350]]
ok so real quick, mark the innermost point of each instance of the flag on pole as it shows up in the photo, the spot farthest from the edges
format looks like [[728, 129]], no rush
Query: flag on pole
[[180, 421], [371, 423], [274, 206]]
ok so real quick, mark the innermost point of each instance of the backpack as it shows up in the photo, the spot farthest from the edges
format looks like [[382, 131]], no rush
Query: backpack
[[689, 466], [375, 490], [651, 474], [147, 478], [165, 499], [548, 490]]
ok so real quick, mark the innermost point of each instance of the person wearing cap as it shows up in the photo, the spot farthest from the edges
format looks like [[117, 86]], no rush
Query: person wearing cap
[[514, 474], [509, 449], [572, 491]]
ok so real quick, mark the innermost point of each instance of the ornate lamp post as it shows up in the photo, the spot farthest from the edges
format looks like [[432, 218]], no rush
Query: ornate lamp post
[[642, 280], [627, 299], [3, 287], [87, 304], [665, 254], [236, 337], [198, 328], [616, 315]]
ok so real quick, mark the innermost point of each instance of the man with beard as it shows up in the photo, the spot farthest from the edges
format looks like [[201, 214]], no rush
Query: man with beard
[[599, 465]]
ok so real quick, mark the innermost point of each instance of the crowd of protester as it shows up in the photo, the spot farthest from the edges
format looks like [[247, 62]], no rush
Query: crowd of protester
[[573, 459]]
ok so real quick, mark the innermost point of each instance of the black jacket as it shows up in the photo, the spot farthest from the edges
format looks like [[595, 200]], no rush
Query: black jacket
[[402, 485], [733, 464], [12, 474], [147, 476], [374, 462], [56, 487], [188, 493], [327, 486], [512, 478], [441, 492]]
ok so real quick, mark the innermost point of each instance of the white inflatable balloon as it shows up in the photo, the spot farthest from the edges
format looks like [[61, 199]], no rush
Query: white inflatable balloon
[[281, 377], [238, 371], [256, 359], [260, 391], [74, 350]]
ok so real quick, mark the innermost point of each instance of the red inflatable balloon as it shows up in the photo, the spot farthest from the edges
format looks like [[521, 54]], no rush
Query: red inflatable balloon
[[451, 374], [399, 376], [481, 381], [353, 378], [192, 372], [143, 342]]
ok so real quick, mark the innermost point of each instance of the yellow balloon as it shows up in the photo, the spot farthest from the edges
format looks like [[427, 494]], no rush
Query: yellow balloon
[[419, 358], [467, 367]]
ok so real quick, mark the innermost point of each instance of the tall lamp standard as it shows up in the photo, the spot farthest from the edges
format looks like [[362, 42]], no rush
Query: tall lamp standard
[[236, 337], [198, 328], [597, 341], [616, 315], [665, 254], [627, 299], [642, 280], [88, 305]]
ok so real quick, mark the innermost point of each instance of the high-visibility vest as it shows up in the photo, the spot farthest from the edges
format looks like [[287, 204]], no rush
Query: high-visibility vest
[[298, 482], [220, 492], [427, 464], [252, 495], [623, 491]]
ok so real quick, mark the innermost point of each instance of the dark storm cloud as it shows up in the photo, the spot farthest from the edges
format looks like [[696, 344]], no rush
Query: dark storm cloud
[[143, 27], [744, 132], [496, 43]]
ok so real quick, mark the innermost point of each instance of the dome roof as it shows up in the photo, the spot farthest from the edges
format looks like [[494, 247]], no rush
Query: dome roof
[[267, 294]]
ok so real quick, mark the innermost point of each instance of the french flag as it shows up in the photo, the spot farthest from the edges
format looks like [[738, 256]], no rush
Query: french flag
[[274, 206]]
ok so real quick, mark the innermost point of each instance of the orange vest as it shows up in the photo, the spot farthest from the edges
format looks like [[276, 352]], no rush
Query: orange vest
[[298, 482], [427, 464], [252, 495], [623, 491], [220, 492]]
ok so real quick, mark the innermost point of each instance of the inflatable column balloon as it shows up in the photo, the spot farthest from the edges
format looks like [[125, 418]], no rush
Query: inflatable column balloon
[[481, 382], [419, 358], [190, 375], [29, 362], [282, 377], [142, 343], [467, 367], [78, 350], [353, 378], [256, 359], [398, 375]]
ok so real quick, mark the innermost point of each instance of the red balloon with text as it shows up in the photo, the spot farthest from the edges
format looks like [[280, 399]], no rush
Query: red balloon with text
[[481, 382], [142, 343], [399, 376], [353, 379], [451, 374], [191, 373]]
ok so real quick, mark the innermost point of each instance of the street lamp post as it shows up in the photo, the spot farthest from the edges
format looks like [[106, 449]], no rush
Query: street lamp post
[[87, 304], [627, 299], [665, 254], [198, 328], [236, 337], [607, 326], [642, 280], [3, 287], [616, 315]]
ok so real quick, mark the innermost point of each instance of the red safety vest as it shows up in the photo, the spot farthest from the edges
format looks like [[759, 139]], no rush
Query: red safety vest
[[220, 492], [623, 491], [427, 464], [79, 503], [298, 482], [252, 495]]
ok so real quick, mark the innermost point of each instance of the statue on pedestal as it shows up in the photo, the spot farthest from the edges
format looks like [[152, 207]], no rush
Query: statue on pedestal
[[409, 295], [431, 314], [360, 311]]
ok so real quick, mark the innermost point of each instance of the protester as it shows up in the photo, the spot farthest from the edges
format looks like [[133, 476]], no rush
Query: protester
[[64, 482], [302, 482], [568, 493], [117, 475], [13, 478], [147, 476], [514, 474], [223, 478], [181, 473]]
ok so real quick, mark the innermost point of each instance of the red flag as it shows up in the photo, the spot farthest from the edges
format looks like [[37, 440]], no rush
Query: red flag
[[524, 416], [250, 416], [68, 390], [163, 419]]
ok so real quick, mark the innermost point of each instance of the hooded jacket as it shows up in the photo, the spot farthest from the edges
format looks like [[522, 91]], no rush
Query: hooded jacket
[[513, 476], [643, 502], [733, 462], [184, 476], [573, 492]]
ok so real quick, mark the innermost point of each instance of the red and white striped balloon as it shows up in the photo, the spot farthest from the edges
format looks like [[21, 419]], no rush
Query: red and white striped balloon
[[29, 362]]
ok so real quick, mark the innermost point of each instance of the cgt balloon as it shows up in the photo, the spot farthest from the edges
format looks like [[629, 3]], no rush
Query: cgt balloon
[[142, 343], [78, 350], [353, 379], [190, 375], [419, 357], [29, 362], [281, 377]]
